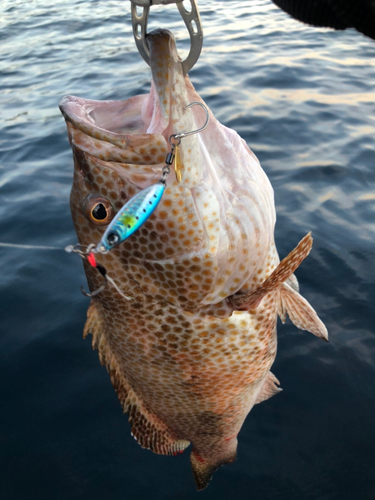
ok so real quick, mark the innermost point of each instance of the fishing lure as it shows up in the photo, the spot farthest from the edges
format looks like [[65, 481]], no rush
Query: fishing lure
[[132, 216], [136, 211], [139, 208]]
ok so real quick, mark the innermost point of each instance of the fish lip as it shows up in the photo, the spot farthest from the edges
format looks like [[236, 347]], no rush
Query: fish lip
[[113, 131], [96, 118], [156, 33], [80, 112]]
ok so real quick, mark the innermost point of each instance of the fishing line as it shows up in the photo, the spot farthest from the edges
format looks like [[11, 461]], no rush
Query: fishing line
[[69, 249], [29, 247]]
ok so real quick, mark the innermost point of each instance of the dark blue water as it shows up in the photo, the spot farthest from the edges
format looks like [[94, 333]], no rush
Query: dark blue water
[[304, 100]]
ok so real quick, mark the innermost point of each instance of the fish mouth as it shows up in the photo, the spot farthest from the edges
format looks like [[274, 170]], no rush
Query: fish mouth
[[133, 131]]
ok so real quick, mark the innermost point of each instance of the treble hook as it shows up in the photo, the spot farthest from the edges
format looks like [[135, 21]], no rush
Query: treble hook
[[186, 134], [103, 272], [87, 253]]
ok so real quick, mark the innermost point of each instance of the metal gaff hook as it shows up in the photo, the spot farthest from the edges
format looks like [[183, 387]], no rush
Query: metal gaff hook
[[178, 137], [191, 19]]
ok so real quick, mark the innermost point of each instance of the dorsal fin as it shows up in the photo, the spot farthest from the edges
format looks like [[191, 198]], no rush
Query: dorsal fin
[[248, 301], [148, 429], [269, 388], [300, 312]]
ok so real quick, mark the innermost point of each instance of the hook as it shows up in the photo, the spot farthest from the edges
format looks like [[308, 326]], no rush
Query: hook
[[100, 289], [191, 18], [185, 134], [102, 270]]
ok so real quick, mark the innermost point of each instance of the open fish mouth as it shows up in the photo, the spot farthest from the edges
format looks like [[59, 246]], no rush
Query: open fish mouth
[[136, 130], [113, 131], [223, 206]]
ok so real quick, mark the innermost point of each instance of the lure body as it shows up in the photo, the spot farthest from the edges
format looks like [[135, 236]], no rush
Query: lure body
[[132, 215]]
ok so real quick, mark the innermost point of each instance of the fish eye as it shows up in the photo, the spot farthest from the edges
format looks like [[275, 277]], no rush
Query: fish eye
[[98, 210]]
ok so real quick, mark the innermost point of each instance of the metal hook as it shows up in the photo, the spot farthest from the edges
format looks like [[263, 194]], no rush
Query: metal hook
[[95, 292], [190, 17], [178, 137], [102, 270]]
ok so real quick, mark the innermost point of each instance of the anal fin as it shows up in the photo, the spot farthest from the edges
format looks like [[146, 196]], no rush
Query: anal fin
[[300, 312], [269, 388], [146, 427]]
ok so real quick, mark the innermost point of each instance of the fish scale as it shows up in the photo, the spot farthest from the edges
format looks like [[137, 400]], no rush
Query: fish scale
[[191, 353]]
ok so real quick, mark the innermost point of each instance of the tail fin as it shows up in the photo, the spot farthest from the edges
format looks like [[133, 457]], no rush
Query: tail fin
[[203, 469]]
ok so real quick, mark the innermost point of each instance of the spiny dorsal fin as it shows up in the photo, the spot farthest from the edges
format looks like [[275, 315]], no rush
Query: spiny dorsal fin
[[248, 301], [94, 326], [300, 312], [148, 429], [269, 388], [151, 432]]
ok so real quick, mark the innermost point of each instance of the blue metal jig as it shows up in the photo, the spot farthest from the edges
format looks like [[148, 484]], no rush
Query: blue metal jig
[[139, 208], [132, 216]]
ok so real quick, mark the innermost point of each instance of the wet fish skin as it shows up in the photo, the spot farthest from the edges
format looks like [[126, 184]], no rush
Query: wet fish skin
[[186, 365]]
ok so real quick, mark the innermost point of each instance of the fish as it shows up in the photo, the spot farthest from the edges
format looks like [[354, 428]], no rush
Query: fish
[[190, 354]]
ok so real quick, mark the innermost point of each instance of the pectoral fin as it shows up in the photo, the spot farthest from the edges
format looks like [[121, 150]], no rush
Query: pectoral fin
[[286, 268], [300, 312], [269, 388]]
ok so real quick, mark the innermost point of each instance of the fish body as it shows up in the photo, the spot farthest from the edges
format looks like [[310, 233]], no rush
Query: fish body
[[191, 353]]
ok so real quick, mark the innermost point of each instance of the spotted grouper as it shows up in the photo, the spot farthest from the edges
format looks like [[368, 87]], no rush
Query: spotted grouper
[[190, 354]]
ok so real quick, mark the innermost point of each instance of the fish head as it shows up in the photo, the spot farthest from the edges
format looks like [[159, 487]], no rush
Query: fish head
[[212, 231]]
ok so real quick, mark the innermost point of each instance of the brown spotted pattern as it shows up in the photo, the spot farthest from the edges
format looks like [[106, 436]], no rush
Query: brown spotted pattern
[[186, 365]]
